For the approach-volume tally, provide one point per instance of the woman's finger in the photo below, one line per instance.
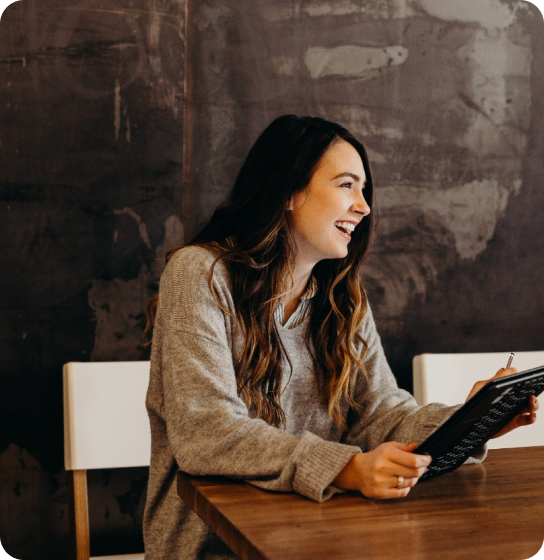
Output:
(389, 493)
(503, 372)
(406, 472)
(400, 482)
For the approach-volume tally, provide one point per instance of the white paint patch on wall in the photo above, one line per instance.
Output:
(141, 224)
(352, 61)
(173, 237)
(117, 109)
(366, 121)
(390, 10)
(470, 211)
(338, 8)
(375, 9)
(490, 14)
(117, 104)
(154, 42)
(497, 63)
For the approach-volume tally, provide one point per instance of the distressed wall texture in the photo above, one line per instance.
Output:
(445, 96)
(122, 125)
(91, 166)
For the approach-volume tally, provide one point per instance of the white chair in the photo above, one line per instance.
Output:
(448, 378)
(105, 426)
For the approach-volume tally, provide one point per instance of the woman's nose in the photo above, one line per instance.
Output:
(361, 206)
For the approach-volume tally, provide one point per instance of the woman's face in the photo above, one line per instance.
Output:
(326, 212)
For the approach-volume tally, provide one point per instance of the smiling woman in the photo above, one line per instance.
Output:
(332, 203)
(324, 215)
(266, 364)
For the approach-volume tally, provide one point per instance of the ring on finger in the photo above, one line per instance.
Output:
(400, 482)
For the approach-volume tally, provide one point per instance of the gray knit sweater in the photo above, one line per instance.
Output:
(200, 425)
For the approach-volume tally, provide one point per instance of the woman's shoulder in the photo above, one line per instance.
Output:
(193, 264)
(185, 294)
(193, 258)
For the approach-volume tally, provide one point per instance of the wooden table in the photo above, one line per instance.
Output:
(492, 511)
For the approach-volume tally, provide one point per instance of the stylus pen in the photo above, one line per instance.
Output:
(510, 360)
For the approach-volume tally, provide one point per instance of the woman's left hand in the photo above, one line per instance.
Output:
(524, 418)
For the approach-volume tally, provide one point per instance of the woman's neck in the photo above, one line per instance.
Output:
(292, 296)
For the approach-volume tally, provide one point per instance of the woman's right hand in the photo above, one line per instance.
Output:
(376, 473)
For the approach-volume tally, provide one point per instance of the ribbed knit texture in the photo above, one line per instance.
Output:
(200, 425)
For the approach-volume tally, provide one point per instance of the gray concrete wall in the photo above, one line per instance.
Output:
(122, 125)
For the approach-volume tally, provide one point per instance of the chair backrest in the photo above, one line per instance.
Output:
(105, 426)
(105, 419)
(448, 378)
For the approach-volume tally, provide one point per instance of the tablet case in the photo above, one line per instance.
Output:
(479, 419)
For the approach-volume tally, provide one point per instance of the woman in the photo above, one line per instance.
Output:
(266, 363)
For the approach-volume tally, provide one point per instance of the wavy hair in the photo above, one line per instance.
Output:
(251, 233)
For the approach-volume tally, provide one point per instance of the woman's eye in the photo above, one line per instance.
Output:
(347, 185)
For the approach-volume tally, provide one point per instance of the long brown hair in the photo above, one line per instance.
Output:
(251, 234)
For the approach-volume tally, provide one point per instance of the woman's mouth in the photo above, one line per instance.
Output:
(345, 228)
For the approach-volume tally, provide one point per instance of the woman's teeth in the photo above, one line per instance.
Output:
(345, 227)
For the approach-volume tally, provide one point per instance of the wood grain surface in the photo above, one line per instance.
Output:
(490, 511)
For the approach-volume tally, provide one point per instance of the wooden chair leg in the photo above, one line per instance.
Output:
(81, 545)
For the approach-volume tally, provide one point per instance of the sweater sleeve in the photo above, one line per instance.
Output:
(388, 412)
(209, 427)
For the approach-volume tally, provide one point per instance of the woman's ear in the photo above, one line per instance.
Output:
(296, 200)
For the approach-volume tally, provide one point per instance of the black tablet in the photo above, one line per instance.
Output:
(479, 419)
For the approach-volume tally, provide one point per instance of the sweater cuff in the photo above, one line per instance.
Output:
(478, 456)
(315, 474)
